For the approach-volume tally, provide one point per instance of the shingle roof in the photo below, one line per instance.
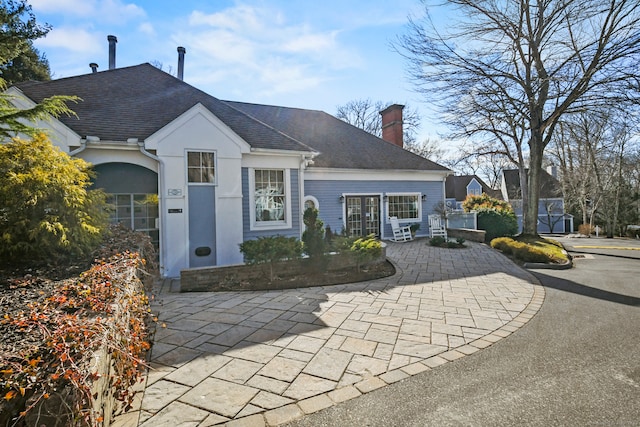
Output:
(456, 187)
(340, 144)
(549, 186)
(135, 102)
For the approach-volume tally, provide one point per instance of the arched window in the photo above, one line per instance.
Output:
(311, 202)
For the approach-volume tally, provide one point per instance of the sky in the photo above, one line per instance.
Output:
(312, 54)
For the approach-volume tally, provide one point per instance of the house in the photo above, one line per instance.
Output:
(551, 214)
(202, 175)
(458, 187)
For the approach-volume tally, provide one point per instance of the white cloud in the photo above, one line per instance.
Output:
(75, 7)
(147, 28)
(258, 46)
(72, 39)
(107, 11)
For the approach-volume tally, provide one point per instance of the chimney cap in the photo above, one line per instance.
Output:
(182, 49)
(112, 38)
(392, 107)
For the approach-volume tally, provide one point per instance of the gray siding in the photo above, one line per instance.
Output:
(125, 178)
(331, 208)
(295, 201)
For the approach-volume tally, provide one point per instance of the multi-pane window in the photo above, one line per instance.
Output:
(404, 206)
(135, 211)
(269, 195)
(201, 167)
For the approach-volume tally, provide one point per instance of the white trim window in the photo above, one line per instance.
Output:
(270, 201)
(201, 167)
(407, 207)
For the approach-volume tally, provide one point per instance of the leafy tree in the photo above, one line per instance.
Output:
(18, 28)
(46, 209)
(29, 65)
(507, 71)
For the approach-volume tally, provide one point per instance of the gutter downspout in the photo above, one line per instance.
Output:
(303, 166)
(304, 163)
(160, 200)
(83, 146)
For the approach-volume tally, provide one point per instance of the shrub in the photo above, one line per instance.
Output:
(495, 216)
(437, 241)
(46, 210)
(366, 249)
(521, 250)
(483, 201)
(50, 339)
(269, 250)
(503, 244)
(497, 223)
(528, 253)
(460, 241)
(313, 236)
(586, 229)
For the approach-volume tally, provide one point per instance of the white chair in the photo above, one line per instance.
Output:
(400, 233)
(436, 227)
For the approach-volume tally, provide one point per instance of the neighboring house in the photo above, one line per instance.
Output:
(201, 175)
(551, 215)
(457, 188)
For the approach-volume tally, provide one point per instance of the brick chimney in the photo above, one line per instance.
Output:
(392, 124)
(112, 51)
(181, 52)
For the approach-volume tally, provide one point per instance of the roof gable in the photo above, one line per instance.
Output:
(456, 187)
(549, 186)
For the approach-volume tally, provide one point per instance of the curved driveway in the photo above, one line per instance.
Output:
(577, 363)
(270, 357)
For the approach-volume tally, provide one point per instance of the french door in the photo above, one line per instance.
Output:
(363, 215)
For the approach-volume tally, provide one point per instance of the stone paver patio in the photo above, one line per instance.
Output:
(268, 357)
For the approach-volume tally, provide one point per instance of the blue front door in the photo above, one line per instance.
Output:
(202, 226)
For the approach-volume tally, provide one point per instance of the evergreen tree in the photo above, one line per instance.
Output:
(18, 57)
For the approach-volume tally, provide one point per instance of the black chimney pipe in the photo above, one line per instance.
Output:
(94, 67)
(181, 52)
(112, 51)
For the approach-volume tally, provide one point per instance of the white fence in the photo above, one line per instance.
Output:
(462, 220)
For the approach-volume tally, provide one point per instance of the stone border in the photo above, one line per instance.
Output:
(240, 277)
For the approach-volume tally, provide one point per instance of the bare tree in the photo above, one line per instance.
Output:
(510, 70)
(595, 154)
(365, 114)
